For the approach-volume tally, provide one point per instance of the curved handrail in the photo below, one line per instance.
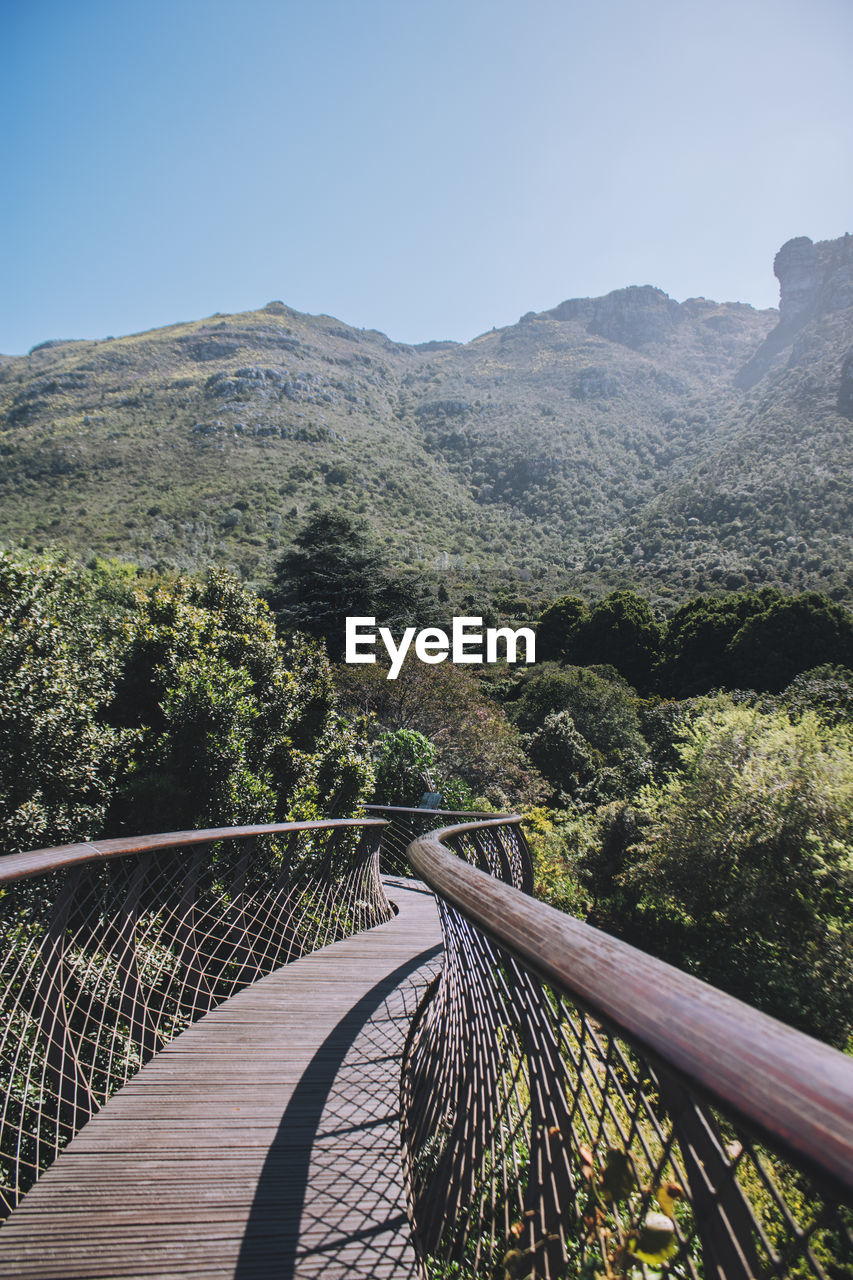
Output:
(795, 1090)
(34, 862)
(110, 949)
(470, 814)
(404, 824)
(567, 1098)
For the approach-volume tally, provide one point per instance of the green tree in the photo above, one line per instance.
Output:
(558, 629)
(789, 635)
(58, 666)
(827, 690)
(603, 709)
(336, 570)
(565, 758)
(752, 640)
(744, 868)
(695, 648)
(404, 768)
(621, 631)
(234, 724)
(477, 745)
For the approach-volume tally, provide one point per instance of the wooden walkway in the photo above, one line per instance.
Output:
(263, 1142)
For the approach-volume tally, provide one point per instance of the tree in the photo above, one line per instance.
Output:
(826, 690)
(58, 666)
(752, 640)
(791, 634)
(565, 758)
(404, 768)
(694, 654)
(558, 629)
(233, 724)
(743, 870)
(621, 631)
(336, 570)
(476, 743)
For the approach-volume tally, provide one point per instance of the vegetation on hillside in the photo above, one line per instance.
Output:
(688, 778)
(128, 705)
(613, 443)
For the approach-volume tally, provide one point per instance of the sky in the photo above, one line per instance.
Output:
(430, 168)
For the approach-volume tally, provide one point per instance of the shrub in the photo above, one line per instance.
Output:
(743, 869)
(58, 666)
(404, 767)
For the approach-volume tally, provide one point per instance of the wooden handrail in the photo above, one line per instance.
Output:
(35, 862)
(469, 814)
(107, 961)
(793, 1090)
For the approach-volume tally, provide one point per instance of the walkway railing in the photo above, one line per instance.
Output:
(573, 1107)
(109, 950)
(405, 825)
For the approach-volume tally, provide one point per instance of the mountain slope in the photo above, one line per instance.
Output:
(629, 437)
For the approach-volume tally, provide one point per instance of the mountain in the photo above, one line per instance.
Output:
(623, 439)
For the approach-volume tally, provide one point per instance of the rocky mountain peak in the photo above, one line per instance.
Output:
(815, 285)
(632, 316)
(813, 278)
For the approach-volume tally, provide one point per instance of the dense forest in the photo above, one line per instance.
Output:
(687, 778)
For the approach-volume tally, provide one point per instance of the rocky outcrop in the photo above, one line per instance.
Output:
(631, 317)
(796, 268)
(635, 316)
(815, 282)
(813, 278)
(595, 384)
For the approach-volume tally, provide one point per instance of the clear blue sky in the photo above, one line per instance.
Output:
(426, 167)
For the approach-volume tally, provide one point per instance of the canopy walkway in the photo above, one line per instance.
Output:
(245, 1052)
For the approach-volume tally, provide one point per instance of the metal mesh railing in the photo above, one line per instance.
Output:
(109, 950)
(572, 1107)
(406, 825)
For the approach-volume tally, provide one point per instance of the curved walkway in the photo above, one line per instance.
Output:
(262, 1142)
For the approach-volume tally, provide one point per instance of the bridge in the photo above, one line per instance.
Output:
(362, 1048)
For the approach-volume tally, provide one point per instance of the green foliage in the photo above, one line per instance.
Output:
(171, 706)
(334, 571)
(826, 690)
(558, 843)
(621, 631)
(478, 747)
(404, 768)
(565, 758)
(773, 645)
(58, 759)
(742, 868)
(615, 829)
(695, 646)
(752, 641)
(457, 794)
(236, 725)
(558, 629)
(607, 755)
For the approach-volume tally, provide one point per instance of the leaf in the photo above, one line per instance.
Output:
(617, 1179)
(655, 1240)
(667, 1194)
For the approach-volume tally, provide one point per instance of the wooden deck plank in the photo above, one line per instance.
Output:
(262, 1142)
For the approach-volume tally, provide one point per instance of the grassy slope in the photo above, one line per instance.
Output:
(604, 441)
